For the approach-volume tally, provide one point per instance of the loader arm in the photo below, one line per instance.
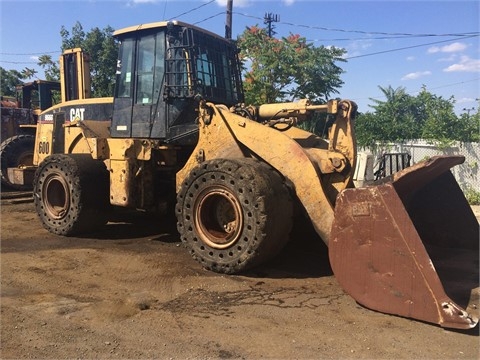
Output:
(318, 170)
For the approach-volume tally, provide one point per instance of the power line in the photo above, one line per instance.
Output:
(417, 91)
(18, 62)
(164, 9)
(453, 84)
(191, 10)
(30, 54)
(387, 35)
(55, 52)
(396, 35)
(208, 18)
(407, 47)
(465, 35)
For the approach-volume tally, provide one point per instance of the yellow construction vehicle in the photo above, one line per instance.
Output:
(19, 119)
(176, 132)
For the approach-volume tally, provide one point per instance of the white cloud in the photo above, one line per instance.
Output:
(450, 58)
(455, 47)
(236, 3)
(357, 47)
(465, 100)
(133, 3)
(466, 64)
(246, 3)
(410, 58)
(416, 75)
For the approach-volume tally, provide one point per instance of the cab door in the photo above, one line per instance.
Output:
(139, 109)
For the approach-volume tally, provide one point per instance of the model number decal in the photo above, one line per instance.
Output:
(43, 147)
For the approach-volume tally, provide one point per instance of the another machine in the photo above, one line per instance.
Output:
(19, 122)
(176, 134)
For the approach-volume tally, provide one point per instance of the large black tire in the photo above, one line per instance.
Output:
(233, 214)
(14, 152)
(71, 194)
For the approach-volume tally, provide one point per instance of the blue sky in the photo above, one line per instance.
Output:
(389, 43)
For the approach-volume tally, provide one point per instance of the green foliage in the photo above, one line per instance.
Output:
(470, 128)
(425, 116)
(9, 79)
(317, 123)
(472, 196)
(441, 123)
(287, 69)
(28, 73)
(102, 49)
(52, 72)
(395, 119)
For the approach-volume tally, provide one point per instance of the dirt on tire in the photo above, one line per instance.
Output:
(211, 221)
(131, 290)
(71, 193)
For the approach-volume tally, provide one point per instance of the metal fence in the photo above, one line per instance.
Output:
(466, 174)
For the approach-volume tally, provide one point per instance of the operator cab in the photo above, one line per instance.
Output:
(162, 70)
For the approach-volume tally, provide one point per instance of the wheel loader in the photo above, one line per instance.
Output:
(177, 135)
(19, 119)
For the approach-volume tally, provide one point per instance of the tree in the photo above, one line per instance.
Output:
(52, 72)
(404, 117)
(28, 73)
(102, 49)
(441, 123)
(287, 69)
(399, 113)
(470, 131)
(10, 79)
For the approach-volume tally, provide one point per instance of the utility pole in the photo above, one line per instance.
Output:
(228, 25)
(269, 19)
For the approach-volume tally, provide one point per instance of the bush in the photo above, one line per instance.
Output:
(472, 195)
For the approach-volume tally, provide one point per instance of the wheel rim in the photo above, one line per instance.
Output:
(218, 217)
(56, 196)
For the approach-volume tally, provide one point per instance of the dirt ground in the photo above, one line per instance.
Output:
(132, 291)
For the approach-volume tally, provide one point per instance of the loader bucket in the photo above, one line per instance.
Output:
(410, 246)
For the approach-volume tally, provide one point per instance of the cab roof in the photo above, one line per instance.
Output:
(162, 24)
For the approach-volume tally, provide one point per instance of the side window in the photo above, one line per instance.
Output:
(227, 77)
(124, 69)
(159, 74)
(179, 67)
(213, 71)
(150, 68)
(205, 70)
(145, 68)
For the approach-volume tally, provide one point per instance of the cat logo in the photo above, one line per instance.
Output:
(76, 114)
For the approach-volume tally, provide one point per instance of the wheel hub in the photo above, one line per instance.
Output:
(56, 196)
(218, 217)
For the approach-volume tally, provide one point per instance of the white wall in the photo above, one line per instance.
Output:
(467, 174)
